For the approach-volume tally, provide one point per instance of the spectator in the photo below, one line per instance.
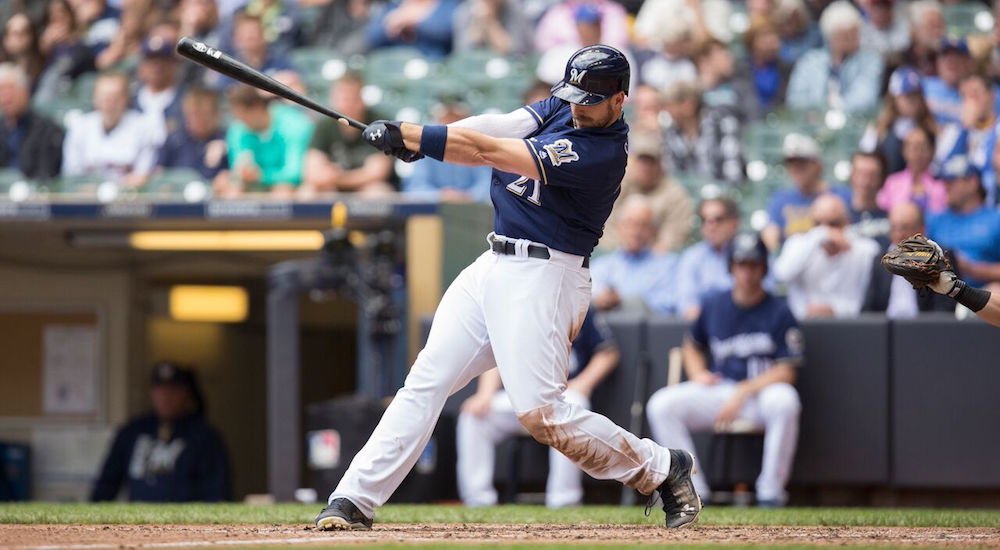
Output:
(704, 267)
(200, 142)
(496, 25)
(699, 140)
(20, 46)
(667, 61)
(423, 24)
(280, 22)
(343, 26)
(867, 177)
(968, 227)
(126, 41)
(954, 63)
(589, 24)
(722, 86)
(100, 24)
(112, 142)
(444, 181)
(172, 453)
(250, 46)
(199, 19)
(799, 34)
(558, 27)
(634, 277)
(671, 204)
(927, 30)
(338, 159)
(768, 72)
(915, 182)
(741, 356)
(890, 293)
(975, 129)
(826, 268)
(902, 109)
(66, 56)
(788, 211)
(487, 418)
(159, 95)
(841, 76)
(647, 111)
(707, 19)
(883, 30)
(29, 142)
(266, 145)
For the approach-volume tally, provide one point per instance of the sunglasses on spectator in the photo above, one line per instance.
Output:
(830, 223)
(713, 219)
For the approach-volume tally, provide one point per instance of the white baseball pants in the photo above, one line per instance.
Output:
(477, 438)
(521, 315)
(675, 411)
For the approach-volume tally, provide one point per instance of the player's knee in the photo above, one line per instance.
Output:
(542, 424)
(780, 400)
(665, 403)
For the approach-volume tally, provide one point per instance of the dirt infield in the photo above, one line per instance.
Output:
(193, 536)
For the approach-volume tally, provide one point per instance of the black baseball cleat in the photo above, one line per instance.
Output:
(342, 514)
(680, 501)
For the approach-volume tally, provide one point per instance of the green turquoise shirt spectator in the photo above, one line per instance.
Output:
(278, 151)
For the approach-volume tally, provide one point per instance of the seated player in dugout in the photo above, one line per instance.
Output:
(557, 170)
(487, 418)
(170, 454)
(741, 357)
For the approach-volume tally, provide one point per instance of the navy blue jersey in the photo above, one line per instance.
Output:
(744, 342)
(581, 172)
(594, 336)
(192, 465)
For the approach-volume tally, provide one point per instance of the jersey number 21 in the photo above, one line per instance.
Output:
(520, 185)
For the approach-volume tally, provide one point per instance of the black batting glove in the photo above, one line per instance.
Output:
(385, 136)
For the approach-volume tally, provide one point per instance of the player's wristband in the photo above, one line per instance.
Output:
(970, 296)
(432, 141)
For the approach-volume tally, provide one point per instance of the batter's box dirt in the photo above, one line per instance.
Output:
(78, 537)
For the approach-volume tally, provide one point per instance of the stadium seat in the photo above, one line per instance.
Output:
(967, 18)
(173, 181)
(397, 67)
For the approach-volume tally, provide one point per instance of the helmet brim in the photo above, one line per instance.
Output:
(572, 94)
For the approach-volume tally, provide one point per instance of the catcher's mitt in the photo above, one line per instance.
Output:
(918, 259)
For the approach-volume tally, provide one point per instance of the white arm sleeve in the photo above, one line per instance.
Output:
(515, 124)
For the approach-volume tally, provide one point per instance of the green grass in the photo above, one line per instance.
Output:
(36, 513)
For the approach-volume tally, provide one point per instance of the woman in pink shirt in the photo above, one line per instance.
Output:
(915, 182)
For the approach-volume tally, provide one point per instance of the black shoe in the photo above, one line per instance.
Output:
(342, 514)
(680, 501)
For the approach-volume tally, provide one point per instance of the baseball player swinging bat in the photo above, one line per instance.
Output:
(216, 60)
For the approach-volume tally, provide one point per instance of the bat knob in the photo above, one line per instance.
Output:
(344, 121)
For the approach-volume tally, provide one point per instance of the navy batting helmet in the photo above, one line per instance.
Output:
(747, 247)
(593, 74)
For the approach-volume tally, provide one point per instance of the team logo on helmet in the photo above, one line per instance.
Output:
(576, 75)
(561, 151)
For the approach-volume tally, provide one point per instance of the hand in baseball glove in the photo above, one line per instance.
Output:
(922, 263)
(386, 136)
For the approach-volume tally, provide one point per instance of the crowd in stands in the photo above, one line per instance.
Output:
(908, 89)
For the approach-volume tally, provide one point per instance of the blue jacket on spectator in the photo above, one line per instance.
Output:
(432, 36)
(182, 150)
(945, 102)
(646, 276)
(975, 235)
(859, 79)
(430, 177)
(192, 465)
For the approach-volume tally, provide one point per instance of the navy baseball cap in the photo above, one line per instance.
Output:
(904, 80)
(157, 46)
(593, 74)
(957, 166)
(747, 247)
(958, 45)
(168, 372)
(587, 13)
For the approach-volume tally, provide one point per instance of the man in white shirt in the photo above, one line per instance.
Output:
(827, 268)
(111, 143)
(159, 97)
